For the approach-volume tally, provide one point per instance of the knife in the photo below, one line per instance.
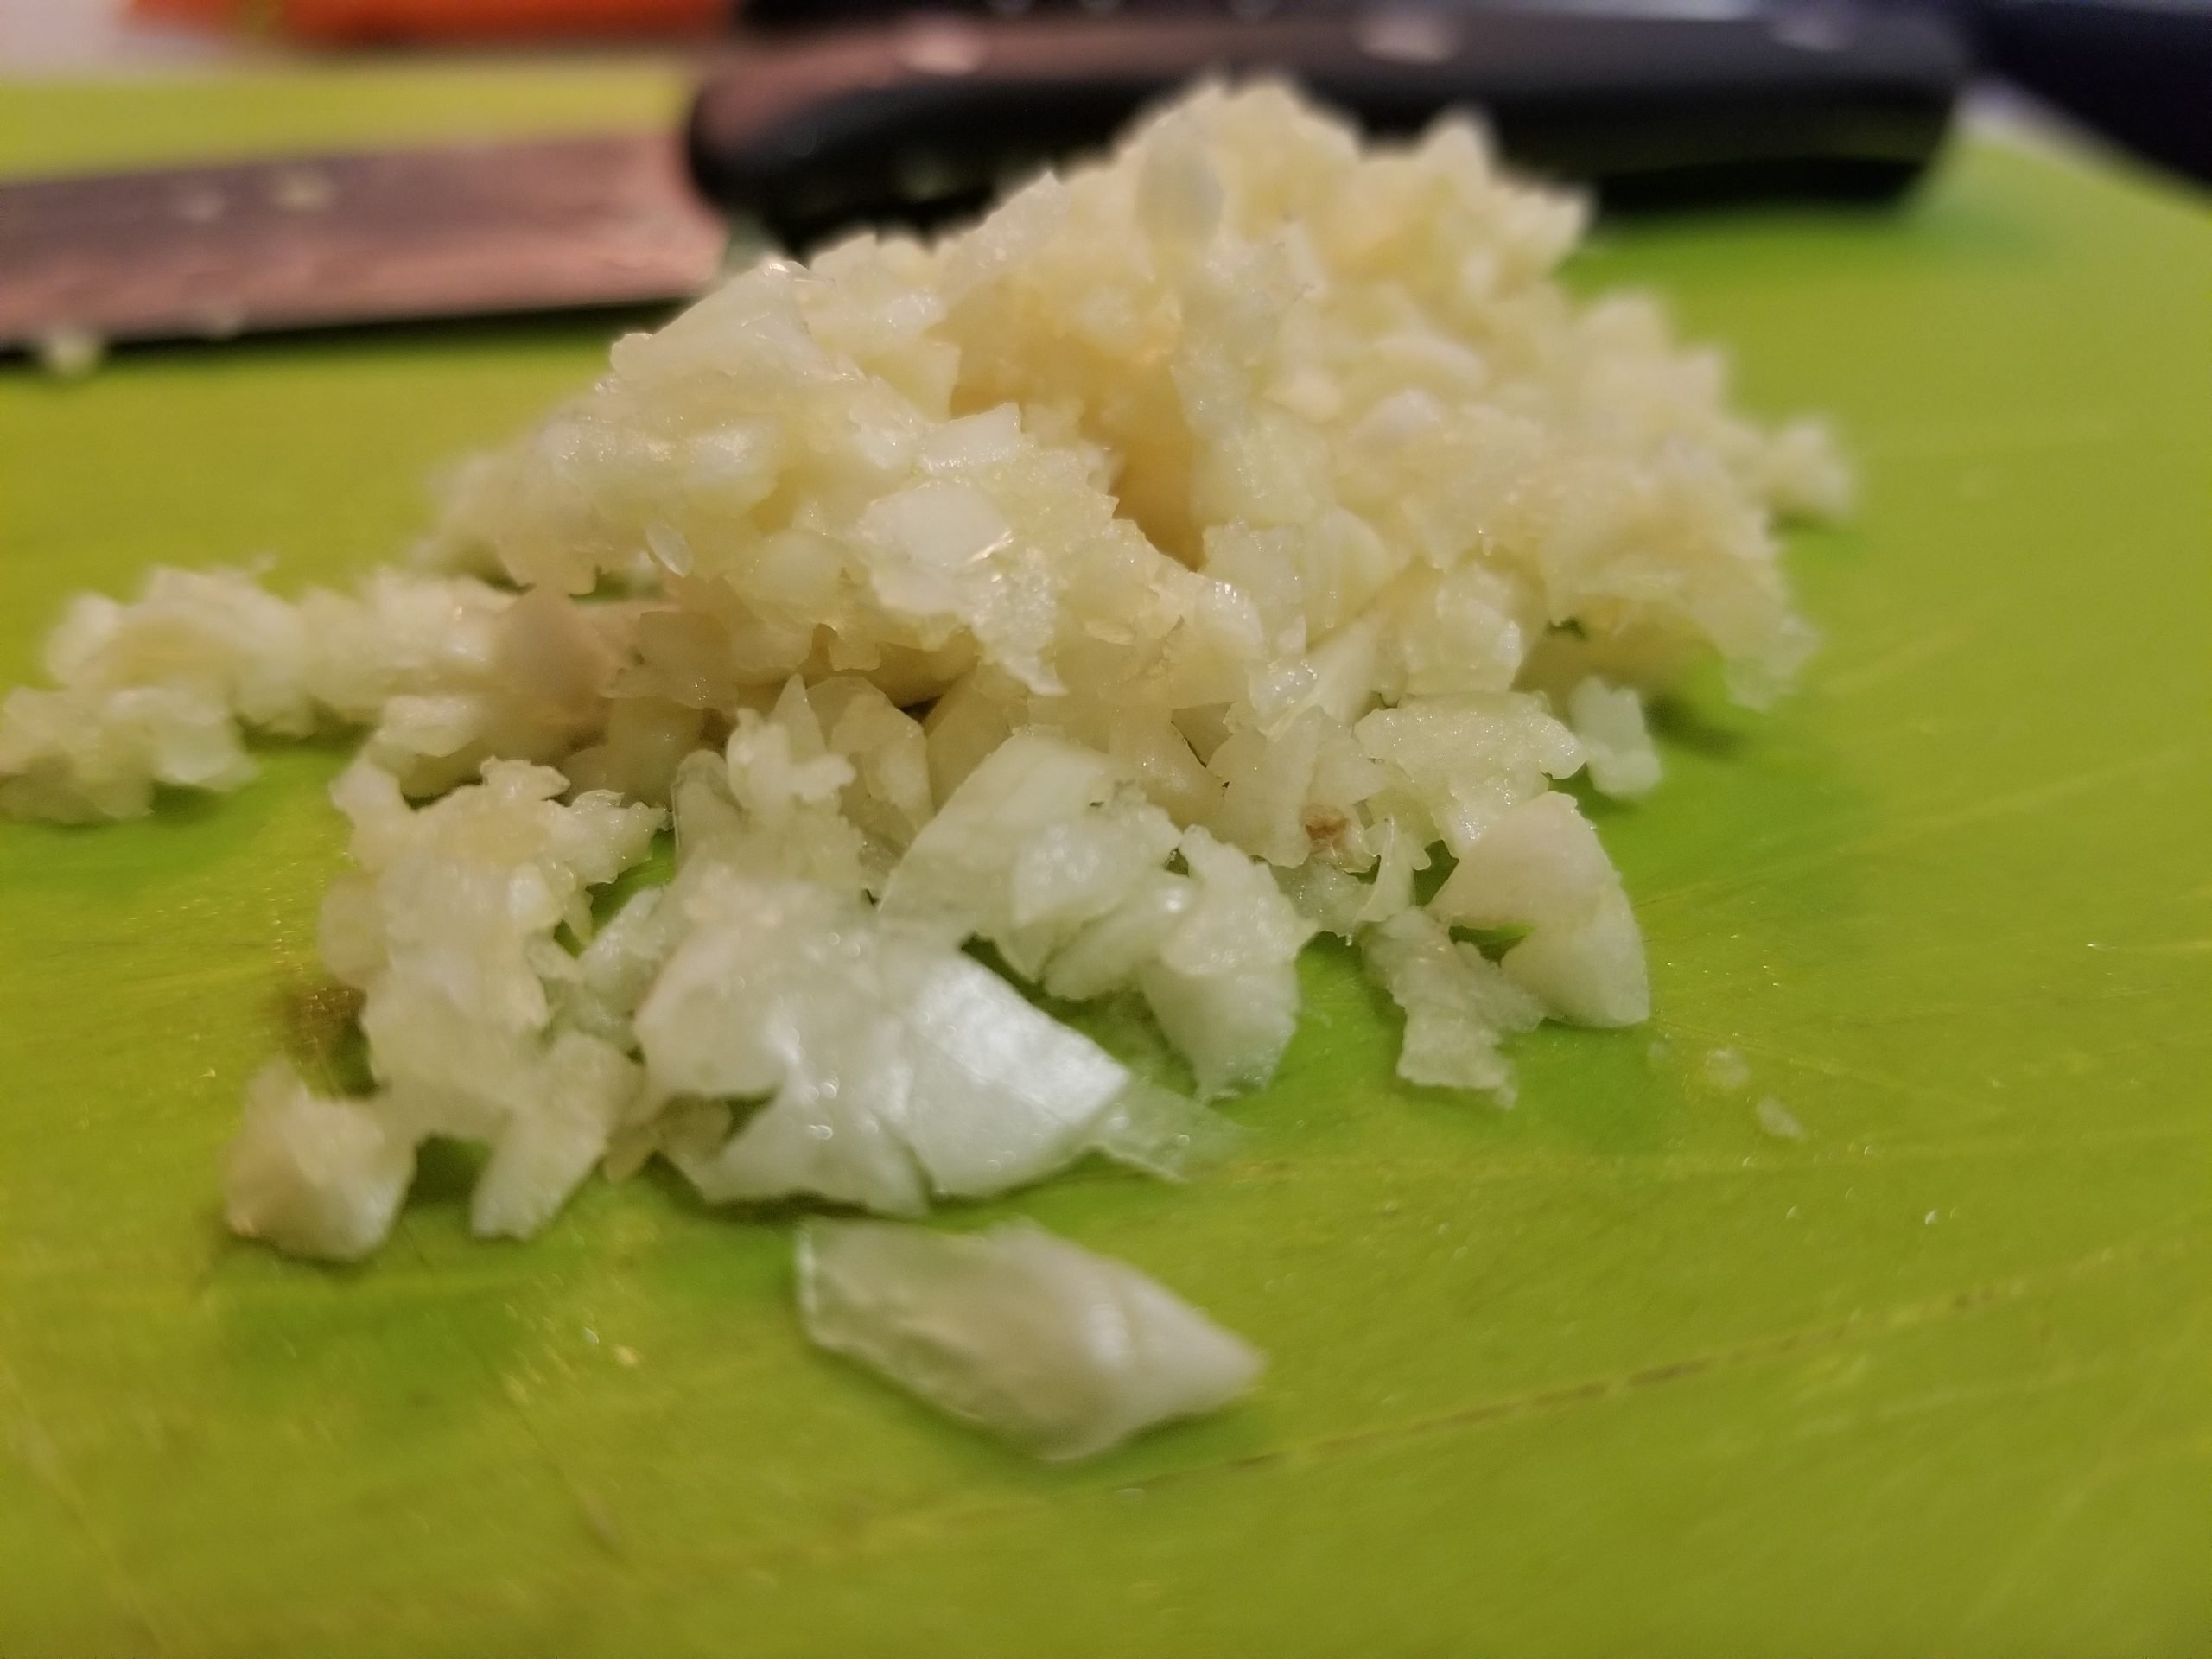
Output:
(915, 119)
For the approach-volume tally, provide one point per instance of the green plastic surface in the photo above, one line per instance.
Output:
(1613, 1373)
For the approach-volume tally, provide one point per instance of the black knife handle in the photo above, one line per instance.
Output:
(2138, 71)
(1691, 101)
(824, 14)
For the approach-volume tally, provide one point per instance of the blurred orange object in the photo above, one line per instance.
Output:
(364, 21)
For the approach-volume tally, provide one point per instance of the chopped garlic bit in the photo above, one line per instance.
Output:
(1175, 564)
(69, 353)
(445, 671)
(1608, 722)
(1778, 1120)
(894, 1066)
(1457, 1004)
(1060, 1352)
(447, 929)
(1049, 852)
(1162, 1133)
(314, 1176)
(1541, 867)
(1726, 1070)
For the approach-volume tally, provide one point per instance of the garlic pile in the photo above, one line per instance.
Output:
(1176, 563)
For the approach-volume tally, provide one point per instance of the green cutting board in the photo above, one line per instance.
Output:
(1615, 1373)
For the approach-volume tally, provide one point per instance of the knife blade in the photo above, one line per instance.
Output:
(304, 242)
(914, 120)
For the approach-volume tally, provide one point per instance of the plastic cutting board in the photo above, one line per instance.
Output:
(1614, 1373)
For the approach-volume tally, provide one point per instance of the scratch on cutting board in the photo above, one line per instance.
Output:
(2164, 948)
(1899, 659)
(48, 1471)
(1988, 437)
(1916, 828)
(1906, 1316)
(2039, 794)
(2155, 1385)
(1731, 1166)
(879, 1532)
(1925, 1401)
(1885, 1082)
(598, 1521)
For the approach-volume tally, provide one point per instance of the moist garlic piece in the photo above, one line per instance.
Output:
(583, 1086)
(152, 692)
(1457, 1004)
(1224, 983)
(448, 930)
(1050, 851)
(1164, 1134)
(1541, 867)
(79, 756)
(445, 671)
(1464, 762)
(1040, 840)
(1608, 722)
(893, 1065)
(1062, 1352)
(315, 1177)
